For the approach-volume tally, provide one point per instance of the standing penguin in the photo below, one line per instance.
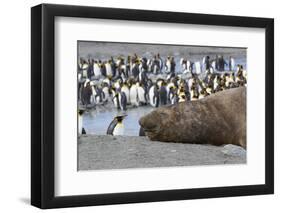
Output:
(115, 98)
(154, 96)
(134, 95)
(122, 100)
(116, 127)
(126, 90)
(86, 93)
(172, 95)
(197, 67)
(141, 94)
(84, 68)
(105, 92)
(109, 70)
(231, 63)
(184, 65)
(81, 130)
(160, 62)
(168, 65)
(163, 94)
(135, 69)
(194, 94)
(97, 69)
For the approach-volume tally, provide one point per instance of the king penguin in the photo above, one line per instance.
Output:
(122, 100)
(154, 95)
(81, 130)
(116, 127)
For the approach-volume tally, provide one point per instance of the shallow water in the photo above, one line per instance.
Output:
(97, 121)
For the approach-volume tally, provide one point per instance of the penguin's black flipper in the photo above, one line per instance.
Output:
(111, 127)
(83, 131)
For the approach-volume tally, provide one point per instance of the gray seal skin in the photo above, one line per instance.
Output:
(216, 119)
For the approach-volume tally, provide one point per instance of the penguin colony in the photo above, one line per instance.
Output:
(136, 81)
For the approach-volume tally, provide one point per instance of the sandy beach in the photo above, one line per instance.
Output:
(101, 152)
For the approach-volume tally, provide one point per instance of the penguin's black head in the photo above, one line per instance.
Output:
(120, 118)
(81, 111)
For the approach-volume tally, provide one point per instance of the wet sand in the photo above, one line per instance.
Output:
(101, 152)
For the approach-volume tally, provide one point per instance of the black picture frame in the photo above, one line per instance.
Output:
(43, 105)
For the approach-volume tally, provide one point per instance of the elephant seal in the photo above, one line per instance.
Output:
(217, 119)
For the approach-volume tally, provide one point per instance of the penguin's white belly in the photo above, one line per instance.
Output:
(184, 68)
(106, 93)
(197, 67)
(140, 76)
(127, 93)
(173, 100)
(192, 98)
(119, 129)
(213, 65)
(106, 80)
(232, 64)
(84, 73)
(181, 97)
(119, 99)
(209, 90)
(97, 71)
(190, 82)
(108, 70)
(141, 94)
(171, 84)
(85, 66)
(93, 97)
(151, 97)
(122, 105)
(154, 69)
(117, 85)
(181, 100)
(215, 85)
(203, 60)
(159, 83)
(79, 76)
(168, 65)
(133, 95)
(115, 101)
(188, 64)
(80, 124)
(201, 96)
(98, 99)
(245, 74)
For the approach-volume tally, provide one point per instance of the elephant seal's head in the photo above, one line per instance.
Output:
(159, 124)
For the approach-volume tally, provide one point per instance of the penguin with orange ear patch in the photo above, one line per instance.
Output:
(116, 127)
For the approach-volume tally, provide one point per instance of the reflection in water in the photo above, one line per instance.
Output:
(97, 121)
